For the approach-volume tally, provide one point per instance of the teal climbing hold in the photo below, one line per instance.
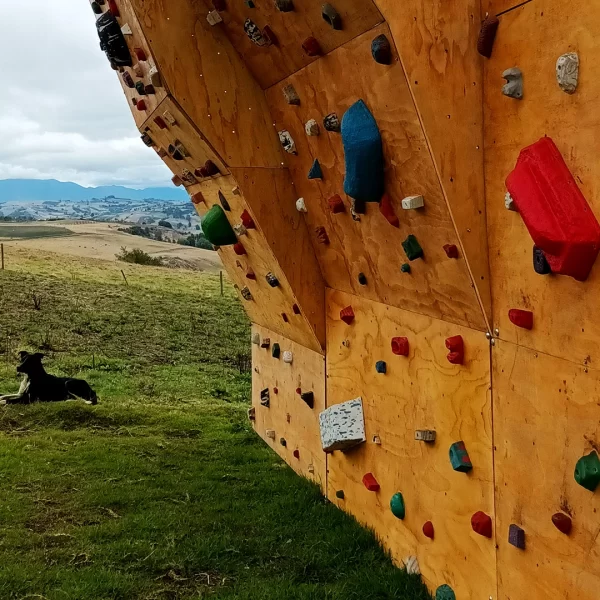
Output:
(363, 152)
(397, 506)
(587, 471)
(275, 351)
(315, 171)
(405, 268)
(217, 229)
(445, 592)
(412, 248)
(459, 458)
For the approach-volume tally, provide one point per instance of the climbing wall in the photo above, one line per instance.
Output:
(375, 175)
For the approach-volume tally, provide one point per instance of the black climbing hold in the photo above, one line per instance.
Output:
(140, 87)
(112, 40)
(381, 49)
(283, 442)
(362, 279)
(412, 248)
(284, 5)
(224, 202)
(275, 351)
(272, 280)
(332, 123)
(540, 264)
(249, 4)
(405, 268)
(96, 8)
(309, 398)
(340, 494)
(315, 171)
(147, 140)
(265, 397)
(332, 16)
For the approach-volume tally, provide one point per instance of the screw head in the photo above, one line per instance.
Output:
(496, 332)
(488, 335)
(493, 342)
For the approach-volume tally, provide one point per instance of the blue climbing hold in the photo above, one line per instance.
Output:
(364, 154)
(315, 171)
(381, 366)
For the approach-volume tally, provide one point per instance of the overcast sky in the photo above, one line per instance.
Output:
(63, 114)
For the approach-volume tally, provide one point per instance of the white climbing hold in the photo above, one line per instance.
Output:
(288, 357)
(509, 203)
(311, 468)
(155, 77)
(413, 202)
(169, 118)
(411, 564)
(342, 426)
(256, 339)
(301, 205)
(126, 29)
(287, 141)
(270, 433)
(567, 72)
(312, 128)
(377, 440)
(214, 18)
(425, 435)
(513, 88)
(240, 229)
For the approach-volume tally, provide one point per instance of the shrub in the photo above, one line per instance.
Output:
(138, 257)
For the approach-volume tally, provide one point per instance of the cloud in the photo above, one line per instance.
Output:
(63, 114)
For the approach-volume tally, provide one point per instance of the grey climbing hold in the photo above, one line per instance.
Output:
(214, 18)
(272, 280)
(254, 33)
(256, 338)
(425, 435)
(246, 293)
(290, 95)
(509, 203)
(265, 397)
(240, 229)
(513, 88)
(332, 123)
(567, 72)
(284, 5)
(413, 202)
(332, 16)
(287, 142)
(312, 128)
(288, 357)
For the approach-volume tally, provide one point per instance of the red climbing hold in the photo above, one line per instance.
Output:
(322, 236)
(140, 105)
(400, 346)
(336, 204)
(347, 315)
(269, 34)
(297, 454)
(113, 8)
(285, 318)
(457, 350)
(247, 220)
(312, 47)
(487, 35)
(275, 390)
(428, 530)
(160, 122)
(370, 482)
(451, 251)
(208, 170)
(177, 180)
(296, 309)
(555, 212)
(220, 5)
(250, 274)
(387, 210)
(482, 524)
(140, 54)
(521, 318)
(239, 249)
(197, 198)
(299, 391)
(562, 522)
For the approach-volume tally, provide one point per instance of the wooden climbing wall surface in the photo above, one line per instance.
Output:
(437, 43)
(270, 64)
(532, 37)
(210, 82)
(421, 391)
(497, 7)
(137, 40)
(438, 286)
(269, 306)
(288, 416)
(546, 416)
(164, 134)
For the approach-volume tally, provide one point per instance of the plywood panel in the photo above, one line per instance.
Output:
(268, 304)
(273, 63)
(137, 39)
(437, 42)
(184, 131)
(438, 286)
(496, 7)
(532, 38)
(421, 391)
(210, 82)
(288, 415)
(546, 416)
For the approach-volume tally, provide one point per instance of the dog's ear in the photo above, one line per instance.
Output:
(23, 355)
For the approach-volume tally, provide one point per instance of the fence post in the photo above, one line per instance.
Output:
(2, 254)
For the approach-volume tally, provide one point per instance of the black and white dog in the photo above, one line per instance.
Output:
(38, 386)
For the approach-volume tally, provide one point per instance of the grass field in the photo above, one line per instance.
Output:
(162, 491)
(32, 232)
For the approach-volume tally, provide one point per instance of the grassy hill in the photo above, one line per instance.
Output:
(162, 491)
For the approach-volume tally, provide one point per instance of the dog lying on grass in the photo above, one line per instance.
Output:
(38, 386)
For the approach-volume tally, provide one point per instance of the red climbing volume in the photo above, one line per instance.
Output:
(554, 210)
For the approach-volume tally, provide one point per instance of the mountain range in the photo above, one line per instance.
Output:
(53, 190)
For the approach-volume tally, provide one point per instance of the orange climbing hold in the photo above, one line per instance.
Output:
(347, 315)
(456, 346)
(370, 482)
(387, 210)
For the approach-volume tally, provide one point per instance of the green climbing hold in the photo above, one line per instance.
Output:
(445, 592)
(412, 248)
(217, 229)
(275, 351)
(587, 471)
(405, 268)
(397, 506)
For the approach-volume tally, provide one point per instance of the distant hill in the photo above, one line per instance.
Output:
(50, 189)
